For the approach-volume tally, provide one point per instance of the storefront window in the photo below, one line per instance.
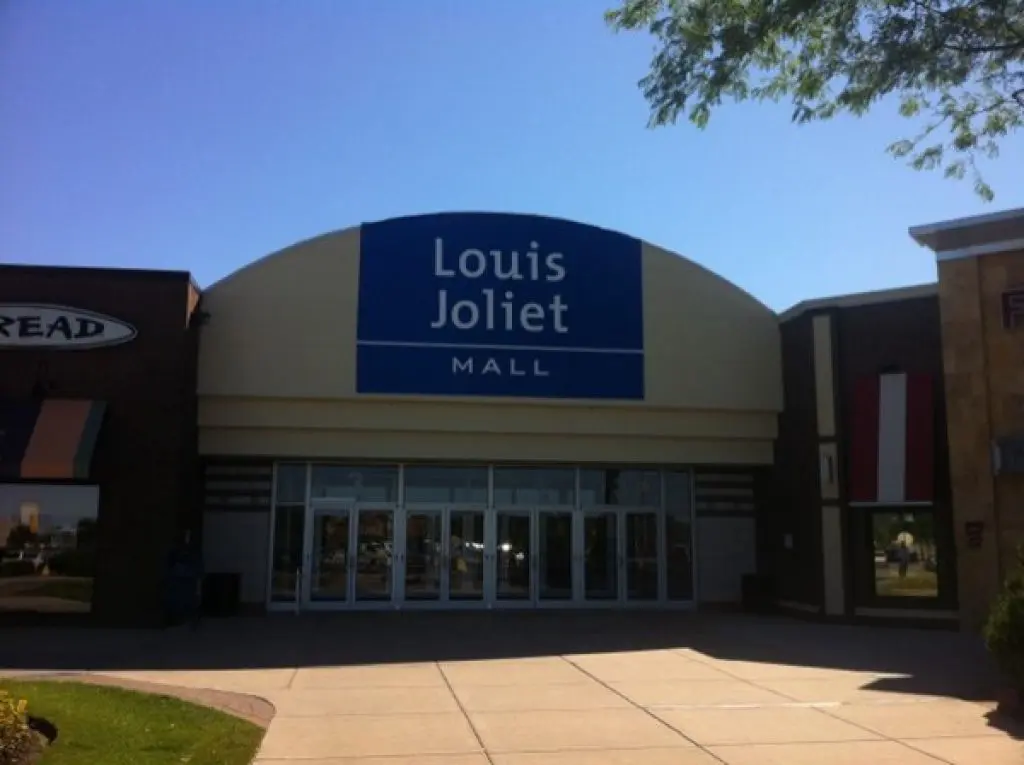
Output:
(627, 488)
(446, 485)
(534, 486)
(905, 560)
(364, 483)
(47, 547)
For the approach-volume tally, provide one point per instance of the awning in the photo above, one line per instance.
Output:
(50, 438)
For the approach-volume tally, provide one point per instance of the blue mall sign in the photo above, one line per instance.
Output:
(489, 304)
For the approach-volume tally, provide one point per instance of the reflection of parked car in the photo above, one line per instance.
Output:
(21, 563)
(374, 554)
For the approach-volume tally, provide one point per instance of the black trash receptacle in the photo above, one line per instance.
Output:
(757, 593)
(221, 593)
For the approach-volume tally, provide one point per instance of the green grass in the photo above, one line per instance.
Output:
(99, 725)
(67, 589)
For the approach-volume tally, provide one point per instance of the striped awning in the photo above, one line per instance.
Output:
(50, 438)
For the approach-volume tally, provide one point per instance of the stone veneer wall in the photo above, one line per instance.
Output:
(984, 372)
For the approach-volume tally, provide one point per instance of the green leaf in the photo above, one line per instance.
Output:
(953, 65)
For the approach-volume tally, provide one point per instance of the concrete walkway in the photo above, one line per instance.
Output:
(574, 689)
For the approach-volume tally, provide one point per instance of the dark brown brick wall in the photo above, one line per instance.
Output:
(795, 508)
(145, 462)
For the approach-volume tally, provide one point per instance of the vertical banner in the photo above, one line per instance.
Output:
(488, 304)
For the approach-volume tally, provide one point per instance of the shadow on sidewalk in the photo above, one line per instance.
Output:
(926, 662)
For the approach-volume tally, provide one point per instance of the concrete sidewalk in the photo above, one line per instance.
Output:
(690, 690)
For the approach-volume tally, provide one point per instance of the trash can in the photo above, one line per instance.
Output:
(222, 593)
(757, 593)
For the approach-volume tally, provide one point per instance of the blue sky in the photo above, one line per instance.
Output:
(202, 135)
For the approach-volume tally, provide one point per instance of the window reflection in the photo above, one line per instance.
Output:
(47, 547)
(291, 483)
(534, 486)
(360, 482)
(628, 488)
(446, 485)
(905, 555)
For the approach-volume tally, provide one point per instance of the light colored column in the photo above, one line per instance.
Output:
(832, 546)
(824, 385)
(832, 555)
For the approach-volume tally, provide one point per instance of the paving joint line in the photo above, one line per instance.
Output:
(465, 714)
(643, 709)
(864, 728)
(291, 680)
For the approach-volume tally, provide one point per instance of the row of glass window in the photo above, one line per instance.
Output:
(469, 485)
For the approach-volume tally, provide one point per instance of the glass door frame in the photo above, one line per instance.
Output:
(580, 581)
(444, 599)
(575, 550)
(338, 507)
(402, 552)
(491, 558)
(489, 511)
(660, 555)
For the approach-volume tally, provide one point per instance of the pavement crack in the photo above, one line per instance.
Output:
(643, 709)
(465, 714)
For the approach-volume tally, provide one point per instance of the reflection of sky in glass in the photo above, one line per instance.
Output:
(633, 488)
(369, 484)
(534, 486)
(454, 485)
(49, 538)
(46, 510)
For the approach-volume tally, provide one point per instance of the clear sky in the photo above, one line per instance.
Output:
(201, 135)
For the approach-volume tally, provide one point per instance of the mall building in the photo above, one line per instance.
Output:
(486, 411)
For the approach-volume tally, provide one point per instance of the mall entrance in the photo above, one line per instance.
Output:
(426, 536)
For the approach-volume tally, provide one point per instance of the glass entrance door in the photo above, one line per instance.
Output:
(514, 562)
(600, 557)
(422, 561)
(465, 555)
(351, 556)
(556, 569)
(641, 556)
(374, 555)
(443, 556)
(330, 559)
(479, 536)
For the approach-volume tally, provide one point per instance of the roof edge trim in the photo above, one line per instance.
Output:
(855, 299)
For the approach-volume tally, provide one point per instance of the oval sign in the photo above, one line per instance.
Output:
(34, 325)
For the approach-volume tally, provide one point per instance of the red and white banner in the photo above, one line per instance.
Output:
(892, 439)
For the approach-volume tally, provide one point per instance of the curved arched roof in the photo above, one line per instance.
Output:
(525, 219)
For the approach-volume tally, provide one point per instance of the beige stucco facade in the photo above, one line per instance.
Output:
(277, 376)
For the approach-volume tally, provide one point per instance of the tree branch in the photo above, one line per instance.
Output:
(971, 49)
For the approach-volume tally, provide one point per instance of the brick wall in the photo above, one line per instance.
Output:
(984, 374)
